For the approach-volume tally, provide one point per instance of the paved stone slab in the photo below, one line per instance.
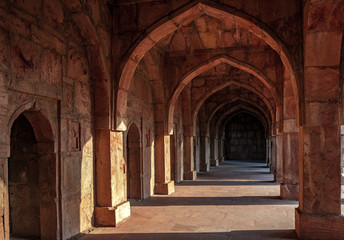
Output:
(237, 200)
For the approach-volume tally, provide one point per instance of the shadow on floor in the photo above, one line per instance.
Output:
(209, 201)
(234, 235)
(227, 183)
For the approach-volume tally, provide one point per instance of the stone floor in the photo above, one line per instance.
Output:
(236, 200)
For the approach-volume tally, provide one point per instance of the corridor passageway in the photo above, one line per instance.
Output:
(237, 200)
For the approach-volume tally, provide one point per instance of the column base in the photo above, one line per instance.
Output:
(289, 191)
(278, 177)
(192, 175)
(214, 162)
(164, 188)
(204, 168)
(111, 216)
(316, 226)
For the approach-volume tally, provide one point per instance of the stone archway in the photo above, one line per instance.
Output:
(32, 178)
(186, 14)
(245, 137)
(134, 166)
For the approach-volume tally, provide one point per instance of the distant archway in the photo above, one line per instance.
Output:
(134, 166)
(32, 178)
(245, 138)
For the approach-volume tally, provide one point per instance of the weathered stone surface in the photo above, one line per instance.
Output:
(51, 68)
(53, 12)
(317, 55)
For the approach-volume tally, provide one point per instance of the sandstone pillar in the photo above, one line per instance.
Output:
(214, 160)
(273, 156)
(221, 150)
(189, 164)
(163, 183)
(279, 158)
(112, 206)
(268, 152)
(289, 187)
(319, 213)
(204, 154)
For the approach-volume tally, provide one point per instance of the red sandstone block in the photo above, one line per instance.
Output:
(323, 48)
(321, 84)
(51, 72)
(4, 52)
(13, 24)
(324, 16)
(77, 66)
(82, 98)
(47, 40)
(186, 15)
(31, 6)
(53, 12)
(25, 61)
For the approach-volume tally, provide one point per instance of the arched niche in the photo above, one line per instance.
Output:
(32, 178)
(134, 163)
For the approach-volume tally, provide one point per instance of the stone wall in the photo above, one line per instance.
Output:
(44, 67)
(245, 138)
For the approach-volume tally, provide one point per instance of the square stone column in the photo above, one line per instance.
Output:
(112, 206)
(214, 161)
(278, 174)
(189, 164)
(319, 213)
(273, 156)
(163, 183)
(204, 154)
(289, 187)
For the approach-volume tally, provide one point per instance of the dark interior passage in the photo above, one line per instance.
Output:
(134, 156)
(32, 179)
(24, 181)
(245, 138)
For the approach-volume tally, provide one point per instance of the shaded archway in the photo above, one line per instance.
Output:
(222, 86)
(245, 138)
(134, 166)
(32, 178)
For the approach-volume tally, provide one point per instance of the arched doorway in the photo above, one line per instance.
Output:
(32, 178)
(245, 138)
(134, 166)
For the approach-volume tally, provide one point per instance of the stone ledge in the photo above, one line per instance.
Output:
(289, 191)
(111, 216)
(319, 226)
(164, 188)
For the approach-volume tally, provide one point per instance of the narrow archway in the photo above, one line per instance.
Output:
(32, 179)
(134, 181)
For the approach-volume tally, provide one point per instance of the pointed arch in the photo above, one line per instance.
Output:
(134, 163)
(184, 15)
(44, 179)
(268, 118)
(218, 88)
(211, 63)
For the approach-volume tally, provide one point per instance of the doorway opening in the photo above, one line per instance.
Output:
(32, 178)
(245, 138)
(134, 180)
